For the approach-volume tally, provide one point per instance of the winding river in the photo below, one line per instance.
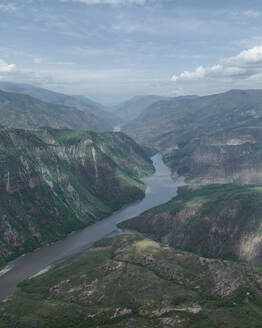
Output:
(160, 188)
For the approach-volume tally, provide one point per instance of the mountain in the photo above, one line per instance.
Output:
(25, 112)
(211, 139)
(85, 104)
(219, 221)
(131, 281)
(55, 181)
(89, 102)
(131, 109)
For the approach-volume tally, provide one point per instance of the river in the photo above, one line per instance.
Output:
(160, 188)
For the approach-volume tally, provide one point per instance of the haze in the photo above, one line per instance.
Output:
(111, 50)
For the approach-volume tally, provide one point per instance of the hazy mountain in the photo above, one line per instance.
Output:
(89, 102)
(82, 103)
(22, 111)
(57, 181)
(208, 139)
(131, 281)
(131, 109)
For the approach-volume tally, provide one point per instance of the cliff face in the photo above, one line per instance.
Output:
(232, 155)
(55, 181)
(221, 221)
(130, 281)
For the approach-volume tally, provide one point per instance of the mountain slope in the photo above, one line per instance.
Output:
(132, 282)
(25, 112)
(131, 109)
(210, 139)
(91, 108)
(221, 221)
(55, 181)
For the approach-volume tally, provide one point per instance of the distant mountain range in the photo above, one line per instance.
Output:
(96, 116)
(132, 108)
(209, 139)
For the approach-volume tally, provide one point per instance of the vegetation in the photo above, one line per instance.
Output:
(219, 221)
(130, 281)
(132, 108)
(98, 115)
(211, 139)
(24, 112)
(57, 181)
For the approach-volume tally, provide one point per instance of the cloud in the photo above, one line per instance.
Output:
(8, 8)
(37, 60)
(109, 2)
(252, 13)
(6, 68)
(199, 73)
(244, 66)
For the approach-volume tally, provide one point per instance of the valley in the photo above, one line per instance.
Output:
(211, 139)
(141, 230)
(160, 188)
(130, 164)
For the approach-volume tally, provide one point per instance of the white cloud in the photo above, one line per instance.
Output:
(199, 73)
(8, 8)
(246, 65)
(252, 13)
(250, 56)
(109, 2)
(37, 60)
(6, 68)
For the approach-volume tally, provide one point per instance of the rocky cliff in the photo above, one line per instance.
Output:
(219, 221)
(211, 139)
(55, 181)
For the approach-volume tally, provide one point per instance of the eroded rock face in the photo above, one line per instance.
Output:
(222, 221)
(211, 139)
(56, 181)
(131, 281)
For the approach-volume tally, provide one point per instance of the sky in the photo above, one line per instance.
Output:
(111, 50)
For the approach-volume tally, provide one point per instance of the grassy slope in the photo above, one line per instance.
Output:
(130, 281)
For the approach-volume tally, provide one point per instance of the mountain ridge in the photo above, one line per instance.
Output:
(209, 139)
(91, 108)
(26, 112)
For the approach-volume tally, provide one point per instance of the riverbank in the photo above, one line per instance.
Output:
(160, 188)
